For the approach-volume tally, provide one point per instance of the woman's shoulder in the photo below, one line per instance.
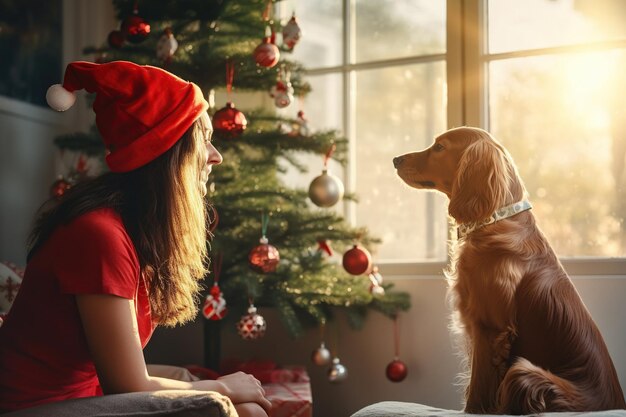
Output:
(99, 226)
(98, 219)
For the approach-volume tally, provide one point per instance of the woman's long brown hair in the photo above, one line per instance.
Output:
(164, 212)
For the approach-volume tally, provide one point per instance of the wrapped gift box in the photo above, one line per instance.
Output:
(289, 399)
(288, 388)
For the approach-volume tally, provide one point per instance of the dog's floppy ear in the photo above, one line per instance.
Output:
(481, 184)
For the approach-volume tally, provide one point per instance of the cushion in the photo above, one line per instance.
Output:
(171, 372)
(175, 403)
(403, 409)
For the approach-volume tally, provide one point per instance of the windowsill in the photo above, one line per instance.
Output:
(588, 267)
(31, 112)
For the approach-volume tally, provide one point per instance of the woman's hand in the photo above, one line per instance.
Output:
(244, 388)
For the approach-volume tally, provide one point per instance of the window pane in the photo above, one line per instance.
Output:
(563, 119)
(515, 25)
(321, 22)
(323, 110)
(399, 110)
(399, 28)
(31, 48)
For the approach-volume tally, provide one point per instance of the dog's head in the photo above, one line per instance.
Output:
(469, 166)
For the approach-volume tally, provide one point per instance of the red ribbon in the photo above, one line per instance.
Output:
(329, 154)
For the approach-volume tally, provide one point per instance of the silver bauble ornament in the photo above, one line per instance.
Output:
(326, 190)
(321, 355)
(337, 371)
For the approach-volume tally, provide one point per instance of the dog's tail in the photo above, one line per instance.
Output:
(528, 389)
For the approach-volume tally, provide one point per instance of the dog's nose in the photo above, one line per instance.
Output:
(397, 161)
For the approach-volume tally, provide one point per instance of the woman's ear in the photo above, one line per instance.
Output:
(481, 184)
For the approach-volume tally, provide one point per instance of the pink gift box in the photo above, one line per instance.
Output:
(290, 399)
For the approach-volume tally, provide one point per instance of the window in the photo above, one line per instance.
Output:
(544, 76)
(30, 48)
(556, 84)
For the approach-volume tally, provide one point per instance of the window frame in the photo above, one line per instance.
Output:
(467, 79)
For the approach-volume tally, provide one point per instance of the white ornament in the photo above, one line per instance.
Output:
(282, 94)
(10, 281)
(291, 32)
(59, 98)
(166, 46)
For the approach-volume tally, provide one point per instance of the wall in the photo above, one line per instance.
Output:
(28, 158)
(426, 347)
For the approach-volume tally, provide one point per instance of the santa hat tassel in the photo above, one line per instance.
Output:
(59, 98)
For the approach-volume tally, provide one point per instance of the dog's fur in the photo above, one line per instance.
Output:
(532, 346)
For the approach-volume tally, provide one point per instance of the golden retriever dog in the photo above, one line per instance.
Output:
(531, 343)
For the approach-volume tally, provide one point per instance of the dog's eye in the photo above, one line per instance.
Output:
(438, 147)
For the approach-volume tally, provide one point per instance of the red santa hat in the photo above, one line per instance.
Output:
(141, 111)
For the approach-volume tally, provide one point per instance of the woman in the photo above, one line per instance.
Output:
(120, 253)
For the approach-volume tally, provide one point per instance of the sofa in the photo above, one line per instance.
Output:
(404, 409)
(170, 403)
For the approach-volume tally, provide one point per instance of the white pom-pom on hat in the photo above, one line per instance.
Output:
(59, 98)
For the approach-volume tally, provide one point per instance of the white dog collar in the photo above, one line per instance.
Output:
(465, 229)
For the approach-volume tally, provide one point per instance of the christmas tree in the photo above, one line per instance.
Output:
(239, 45)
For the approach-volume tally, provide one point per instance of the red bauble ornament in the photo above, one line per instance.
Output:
(228, 122)
(135, 28)
(266, 54)
(116, 39)
(396, 370)
(357, 260)
(215, 304)
(59, 187)
(264, 257)
(251, 326)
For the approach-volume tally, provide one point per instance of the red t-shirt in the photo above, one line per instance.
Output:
(44, 355)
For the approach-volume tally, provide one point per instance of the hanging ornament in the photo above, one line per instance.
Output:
(396, 369)
(116, 39)
(11, 277)
(337, 371)
(215, 304)
(282, 92)
(59, 187)
(264, 258)
(376, 281)
(135, 28)
(266, 54)
(321, 356)
(324, 245)
(301, 126)
(166, 46)
(291, 32)
(326, 189)
(357, 260)
(251, 326)
(228, 122)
